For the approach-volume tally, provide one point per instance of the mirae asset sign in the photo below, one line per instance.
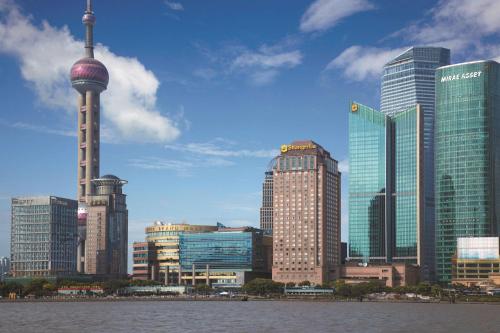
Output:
(469, 75)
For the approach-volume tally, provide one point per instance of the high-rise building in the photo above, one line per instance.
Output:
(306, 222)
(107, 228)
(266, 211)
(89, 77)
(386, 195)
(467, 157)
(4, 267)
(43, 236)
(408, 80)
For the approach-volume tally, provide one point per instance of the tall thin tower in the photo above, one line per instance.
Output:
(89, 77)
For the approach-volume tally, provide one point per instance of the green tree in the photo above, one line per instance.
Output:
(290, 284)
(263, 287)
(203, 289)
(305, 283)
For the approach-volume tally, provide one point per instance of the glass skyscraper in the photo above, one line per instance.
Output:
(385, 185)
(409, 79)
(43, 236)
(467, 157)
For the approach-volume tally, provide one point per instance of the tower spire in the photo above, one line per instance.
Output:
(89, 21)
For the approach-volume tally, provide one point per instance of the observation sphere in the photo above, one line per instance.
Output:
(89, 74)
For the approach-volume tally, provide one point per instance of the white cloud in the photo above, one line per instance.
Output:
(177, 6)
(324, 14)
(181, 167)
(46, 54)
(263, 66)
(38, 128)
(359, 63)
(344, 166)
(214, 148)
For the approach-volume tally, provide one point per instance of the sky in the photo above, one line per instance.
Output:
(203, 93)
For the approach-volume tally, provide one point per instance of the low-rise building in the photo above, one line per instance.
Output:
(145, 265)
(229, 257)
(390, 275)
(477, 261)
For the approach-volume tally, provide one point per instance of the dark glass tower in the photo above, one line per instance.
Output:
(467, 157)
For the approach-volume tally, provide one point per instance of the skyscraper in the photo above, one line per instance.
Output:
(385, 185)
(43, 236)
(89, 77)
(107, 228)
(306, 206)
(408, 80)
(266, 211)
(467, 156)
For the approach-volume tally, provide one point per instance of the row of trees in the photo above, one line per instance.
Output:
(270, 287)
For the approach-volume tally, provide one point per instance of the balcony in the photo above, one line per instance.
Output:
(83, 109)
(83, 145)
(83, 163)
(82, 181)
(83, 127)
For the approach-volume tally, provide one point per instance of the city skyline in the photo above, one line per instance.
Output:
(204, 123)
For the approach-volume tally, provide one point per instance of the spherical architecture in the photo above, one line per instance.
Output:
(89, 74)
(88, 19)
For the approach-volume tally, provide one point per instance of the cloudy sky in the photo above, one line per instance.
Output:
(202, 93)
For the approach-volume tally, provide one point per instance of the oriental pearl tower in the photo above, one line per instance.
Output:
(89, 77)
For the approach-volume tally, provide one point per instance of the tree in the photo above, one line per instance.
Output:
(263, 287)
(305, 283)
(290, 284)
(203, 289)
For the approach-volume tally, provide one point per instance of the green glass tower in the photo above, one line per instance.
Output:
(467, 156)
(385, 185)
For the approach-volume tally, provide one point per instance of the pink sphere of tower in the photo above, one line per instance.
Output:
(89, 74)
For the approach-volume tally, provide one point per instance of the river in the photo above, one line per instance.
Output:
(252, 316)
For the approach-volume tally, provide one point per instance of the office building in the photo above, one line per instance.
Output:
(107, 228)
(390, 275)
(467, 157)
(306, 222)
(43, 237)
(476, 259)
(89, 77)
(227, 258)
(386, 195)
(266, 211)
(145, 263)
(408, 80)
(165, 240)
(4, 267)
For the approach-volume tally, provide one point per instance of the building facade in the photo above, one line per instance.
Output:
(386, 194)
(266, 211)
(467, 154)
(389, 275)
(306, 222)
(107, 228)
(4, 267)
(89, 77)
(43, 237)
(229, 257)
(145, 264)
(476, 260)
(408, 80)
(165, 237)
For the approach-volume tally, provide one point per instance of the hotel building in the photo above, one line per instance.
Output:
(306, 207)
(467, 157)
(408, 80)
(107, 229)
(386, 195)
(43, 237)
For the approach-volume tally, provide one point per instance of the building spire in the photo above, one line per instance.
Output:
(89, 21)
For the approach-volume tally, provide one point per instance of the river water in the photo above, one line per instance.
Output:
(252, 316)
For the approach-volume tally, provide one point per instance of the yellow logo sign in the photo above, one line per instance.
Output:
(285, 148)
(354, 107)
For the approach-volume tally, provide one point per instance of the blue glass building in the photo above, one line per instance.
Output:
(229, 257)
(409, 79)
(385, 185)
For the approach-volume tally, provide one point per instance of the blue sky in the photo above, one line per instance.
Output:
(202, 93)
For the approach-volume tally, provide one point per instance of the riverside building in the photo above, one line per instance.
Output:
(4, 267)
(386, 196)
(43, 237)
(89, 77)
(107, 228)
(408, 80)
(467, 157)
(306, 207)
